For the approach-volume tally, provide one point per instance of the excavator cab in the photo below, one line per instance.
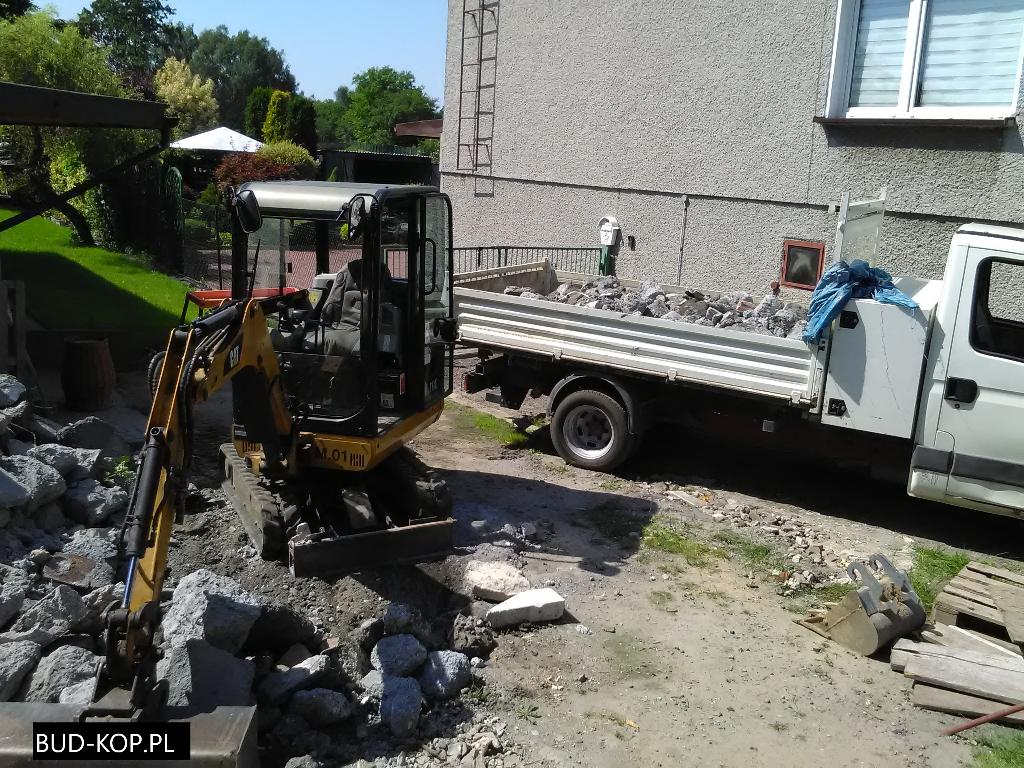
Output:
(365, 363)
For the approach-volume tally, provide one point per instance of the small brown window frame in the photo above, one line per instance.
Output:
(812, 244)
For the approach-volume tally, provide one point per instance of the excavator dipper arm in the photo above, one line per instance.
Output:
(202, 357)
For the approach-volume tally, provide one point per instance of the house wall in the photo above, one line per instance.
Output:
(663, 113)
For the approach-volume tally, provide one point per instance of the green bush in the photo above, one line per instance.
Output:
(289, 153)
(277, 126)
(67, 170)
(196, 232)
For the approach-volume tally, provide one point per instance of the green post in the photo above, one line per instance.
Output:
(607, 264)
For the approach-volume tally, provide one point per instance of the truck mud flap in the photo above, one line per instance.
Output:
(413, 543)
(223, 738)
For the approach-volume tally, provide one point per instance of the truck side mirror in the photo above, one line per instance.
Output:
(247, 209)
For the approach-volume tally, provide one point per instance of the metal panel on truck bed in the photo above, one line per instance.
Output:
(748, 362)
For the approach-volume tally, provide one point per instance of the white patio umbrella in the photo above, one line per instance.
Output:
(219, 140)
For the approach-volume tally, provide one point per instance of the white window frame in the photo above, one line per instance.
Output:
(843, 49)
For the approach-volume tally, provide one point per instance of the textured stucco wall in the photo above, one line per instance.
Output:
(624, 107)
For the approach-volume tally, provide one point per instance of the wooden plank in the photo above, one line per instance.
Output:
(974, 679)
(955, 605)
(1002, 573)
(1005, 644)
(1010, 601)
(956, 703)
(981, 658)
(955, 637)
(950, 589)
(970, 585)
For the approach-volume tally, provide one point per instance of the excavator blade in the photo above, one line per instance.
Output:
(223, 738)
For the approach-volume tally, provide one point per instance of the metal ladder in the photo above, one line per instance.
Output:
(477, 78)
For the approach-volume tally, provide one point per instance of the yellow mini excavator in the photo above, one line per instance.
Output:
(329, 383)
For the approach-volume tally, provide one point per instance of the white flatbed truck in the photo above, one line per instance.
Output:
(933, 396)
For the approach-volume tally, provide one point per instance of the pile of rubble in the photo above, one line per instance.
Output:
(815, 558)
(735, 309)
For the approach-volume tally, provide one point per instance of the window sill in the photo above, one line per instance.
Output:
(997, 123)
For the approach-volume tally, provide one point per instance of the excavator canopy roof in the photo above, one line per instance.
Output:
(316, 200)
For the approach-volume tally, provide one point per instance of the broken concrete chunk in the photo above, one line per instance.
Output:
(93, 432)
(444, 674)
(400, 705)
(534, 606)
(16, 661)
(402, 619)
(296, 654)
(368, 633)
(201, 677)
(466, 637)
(44, 484)
(55, 615)
(77, 462)
(372, 685)
(212, 608)
(66, 666)
(50, 518)
(320, 706)
(14, 585)
(79, 695)
(278, 686)
(398, 655)
(494, 581)
(91, 503)
(11, 390)
(305, 761)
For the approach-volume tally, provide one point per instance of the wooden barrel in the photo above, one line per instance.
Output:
(88, 374)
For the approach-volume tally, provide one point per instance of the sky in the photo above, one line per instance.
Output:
(325, 42)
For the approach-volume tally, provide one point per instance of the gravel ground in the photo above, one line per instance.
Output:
(662, 655)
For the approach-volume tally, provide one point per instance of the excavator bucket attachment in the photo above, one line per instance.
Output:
(878, 612)
(223, 738)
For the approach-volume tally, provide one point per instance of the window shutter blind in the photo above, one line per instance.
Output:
(878, 57)
(971, 53)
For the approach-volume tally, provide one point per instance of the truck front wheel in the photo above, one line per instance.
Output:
(589, 429)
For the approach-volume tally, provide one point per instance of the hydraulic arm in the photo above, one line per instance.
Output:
(230, 343)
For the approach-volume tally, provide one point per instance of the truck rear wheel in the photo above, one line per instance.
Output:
(589, 429)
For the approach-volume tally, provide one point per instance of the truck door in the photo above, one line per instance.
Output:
(982, 405)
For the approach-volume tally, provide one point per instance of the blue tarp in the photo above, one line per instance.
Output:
(842, 282)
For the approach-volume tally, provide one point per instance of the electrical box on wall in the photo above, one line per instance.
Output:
(609, 231)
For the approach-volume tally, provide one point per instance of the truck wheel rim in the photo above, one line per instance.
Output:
(588, 432)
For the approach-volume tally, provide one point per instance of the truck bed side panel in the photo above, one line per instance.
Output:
(752, 363)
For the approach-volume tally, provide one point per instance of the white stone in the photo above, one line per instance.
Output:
(535, 605)
(494, 581)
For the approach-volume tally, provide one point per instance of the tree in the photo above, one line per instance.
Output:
(34, 51)
(10, 9)
(277, 126)
(237, 64)
(240, 167)
(189, 97)
(330, 122)
(383, 96)
(132, 31)
(291, 154)
(256, 107)
(302, 122)
(178, 41)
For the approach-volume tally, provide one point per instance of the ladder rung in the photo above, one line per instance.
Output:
(485, 111)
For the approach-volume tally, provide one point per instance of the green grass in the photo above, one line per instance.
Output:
(998, 747)
(932, 569)
(759, 558)
(526, 711)
(661, 598)
(491, 427)
(73, 287)
(660, 536)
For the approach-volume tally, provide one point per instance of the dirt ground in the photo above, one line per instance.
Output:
(665, 658)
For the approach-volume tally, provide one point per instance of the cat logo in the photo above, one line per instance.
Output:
(234, 355)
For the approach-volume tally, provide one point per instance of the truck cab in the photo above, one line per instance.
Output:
(969, 436)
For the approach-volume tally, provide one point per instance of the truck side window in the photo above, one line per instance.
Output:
(997, 325)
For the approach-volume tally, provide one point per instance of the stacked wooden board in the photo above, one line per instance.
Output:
(969, 661)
